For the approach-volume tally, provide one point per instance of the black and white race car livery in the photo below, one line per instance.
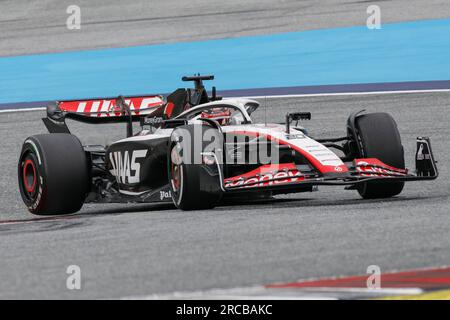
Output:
(194, 150)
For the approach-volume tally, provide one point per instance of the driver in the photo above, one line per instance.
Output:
(221, 114)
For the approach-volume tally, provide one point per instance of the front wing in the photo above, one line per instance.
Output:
(289, 176)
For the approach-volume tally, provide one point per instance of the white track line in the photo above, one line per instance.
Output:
(347, 94)
(381, 291)
(292, 96)
(23, 110)
(263, 293)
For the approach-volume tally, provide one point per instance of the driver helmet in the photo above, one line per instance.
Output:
(221, 114)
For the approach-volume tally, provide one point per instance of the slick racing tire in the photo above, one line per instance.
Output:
(194, 177)
(379, 138)
(53, 174)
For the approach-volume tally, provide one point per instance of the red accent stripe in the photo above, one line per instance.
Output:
(376, 162)
(136, 105)
(169, 109)
(267, 168)
(262, 176)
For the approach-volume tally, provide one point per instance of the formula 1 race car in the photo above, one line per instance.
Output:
(196, 150)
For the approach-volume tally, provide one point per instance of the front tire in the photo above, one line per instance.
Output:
(53, 174)
(194, 181)
(379, 138)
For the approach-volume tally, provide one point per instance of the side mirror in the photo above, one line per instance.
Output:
(296, 116)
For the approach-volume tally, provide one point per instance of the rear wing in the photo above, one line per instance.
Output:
(102, 110)
(108, 108)
(127, 109)
(105, 109)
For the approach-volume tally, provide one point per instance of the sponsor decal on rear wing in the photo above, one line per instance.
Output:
(143, 105)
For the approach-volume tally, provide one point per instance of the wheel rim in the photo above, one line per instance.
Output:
(176, 177)
(29, 177)
(176, 169)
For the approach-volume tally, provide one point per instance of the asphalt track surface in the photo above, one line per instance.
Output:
(28, 27)
(128, 250)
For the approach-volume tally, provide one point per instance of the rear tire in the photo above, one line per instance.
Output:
(53, 174)
(379, 138)
(193, 185)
